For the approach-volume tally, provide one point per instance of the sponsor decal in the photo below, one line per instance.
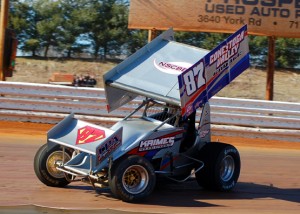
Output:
(175, 68)
(89, 134)
(107, 148)
(156, 143)
(227, 51)
(214, 71)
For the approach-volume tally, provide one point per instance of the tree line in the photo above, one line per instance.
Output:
(99, 28)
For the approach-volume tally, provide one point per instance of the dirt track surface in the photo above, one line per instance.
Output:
(269, 182)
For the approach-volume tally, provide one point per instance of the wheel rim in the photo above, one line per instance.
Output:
(227, 168)
(135, 179)
(52, 161)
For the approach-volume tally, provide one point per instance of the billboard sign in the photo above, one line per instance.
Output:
(264, 17)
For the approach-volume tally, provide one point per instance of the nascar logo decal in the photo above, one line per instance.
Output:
(175, 68)
(89, 134)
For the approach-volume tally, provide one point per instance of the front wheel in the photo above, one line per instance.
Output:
(45, 163)
(221, 167)
(132, 179)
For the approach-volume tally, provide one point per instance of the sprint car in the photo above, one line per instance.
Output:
(167, 136)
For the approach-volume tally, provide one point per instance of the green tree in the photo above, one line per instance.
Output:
(136, 40)
(190, 38)
(23, 20)
(258, 48)
(50, 25)
(287, 52)
(72, 25)
(202, 40)
(19, 13)
(107, 26)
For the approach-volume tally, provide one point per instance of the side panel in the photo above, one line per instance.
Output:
(157, 144)
(214, 71)
(204, 127)
(111, 144)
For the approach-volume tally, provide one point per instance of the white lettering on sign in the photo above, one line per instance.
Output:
(262, 8)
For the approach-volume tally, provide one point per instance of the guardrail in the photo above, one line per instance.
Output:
(230, 117)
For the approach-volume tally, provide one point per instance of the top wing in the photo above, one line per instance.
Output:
(152, 72)
(214, 71)
(176, 73)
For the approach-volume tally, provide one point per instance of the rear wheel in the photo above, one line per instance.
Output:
(222, 167)
(132, 179)
(45, 163)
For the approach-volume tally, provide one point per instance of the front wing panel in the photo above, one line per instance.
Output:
(80, 135)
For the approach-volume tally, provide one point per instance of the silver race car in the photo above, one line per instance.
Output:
(167, 136)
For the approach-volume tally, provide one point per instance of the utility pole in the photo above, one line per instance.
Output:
(3, 26)
(271, 69)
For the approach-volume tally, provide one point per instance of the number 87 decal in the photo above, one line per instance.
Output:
(194, 78)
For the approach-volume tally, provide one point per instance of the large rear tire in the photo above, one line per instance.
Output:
(132, 179)
(45, 162)
(222, 167)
